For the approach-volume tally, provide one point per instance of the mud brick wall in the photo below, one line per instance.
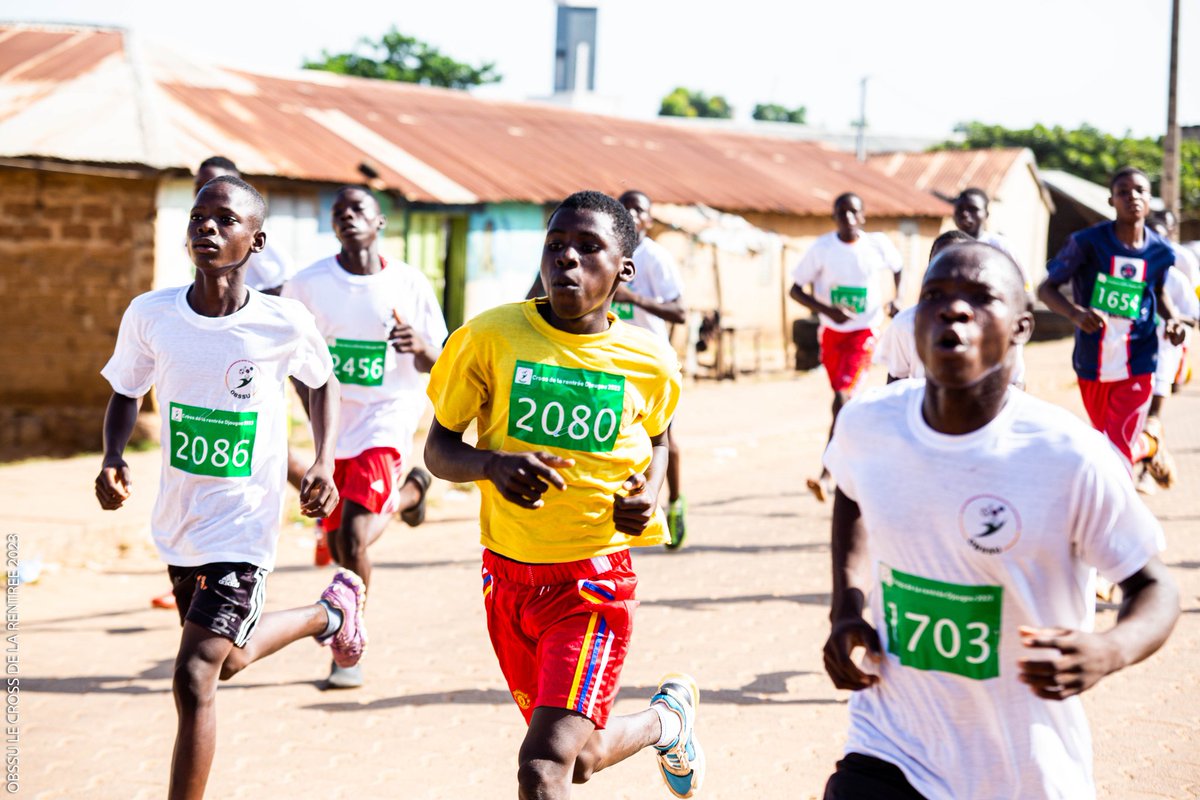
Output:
(74, 250)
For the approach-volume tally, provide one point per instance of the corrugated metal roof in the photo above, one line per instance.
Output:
(431, 145)
(948, 172)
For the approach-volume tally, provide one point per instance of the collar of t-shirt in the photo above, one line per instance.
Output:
(353, 277)
(189, 315)
(539, 324)
(965, 441)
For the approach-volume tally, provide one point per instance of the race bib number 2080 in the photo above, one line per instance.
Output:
(575, 409)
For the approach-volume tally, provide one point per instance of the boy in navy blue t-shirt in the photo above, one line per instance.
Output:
(1117, 272)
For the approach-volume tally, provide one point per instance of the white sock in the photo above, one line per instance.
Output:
(333, 622)
(671, 722)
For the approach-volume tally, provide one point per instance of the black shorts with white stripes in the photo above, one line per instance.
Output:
(224, 597)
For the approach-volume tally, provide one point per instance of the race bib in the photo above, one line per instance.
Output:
(1121, 297)
(575, 409)
(850, 298)
(943, 627)
(623, 311)
(358, 362)
(205, 441)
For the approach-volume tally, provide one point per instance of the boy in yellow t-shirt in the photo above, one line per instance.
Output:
(565, 396)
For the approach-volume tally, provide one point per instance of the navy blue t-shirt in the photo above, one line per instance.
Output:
(1124, 347)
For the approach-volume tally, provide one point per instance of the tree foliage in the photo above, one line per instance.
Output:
(397, 57)
(1091, 154)
(773, 112)
(687, 103)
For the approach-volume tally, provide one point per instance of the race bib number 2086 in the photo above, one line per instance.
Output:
(575, 409)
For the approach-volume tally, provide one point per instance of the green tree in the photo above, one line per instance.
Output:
(773, 112)
(687, 103)
(1091, 154)
(397, 57)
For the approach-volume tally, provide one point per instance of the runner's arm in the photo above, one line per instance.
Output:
(318, 495)
(633, 511)
(1086, 319)
(810, 302)
(1149, 610)
(114, 481)
(670, 310)
(1173, 320)
(851, 585)
(522, 478)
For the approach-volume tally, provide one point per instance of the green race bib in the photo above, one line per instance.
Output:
(850, 298)
(942, 627)
(357, 362)
(1118, 296)
(205, 441)
(623, 311)
(575, 409)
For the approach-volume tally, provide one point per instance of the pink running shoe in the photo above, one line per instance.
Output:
(347, 594)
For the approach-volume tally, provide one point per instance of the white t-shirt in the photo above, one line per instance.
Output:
(896, 349)
(970, 537)
(834, 267)
(1187, 261)
(1183, 294)
(224, 417)
(657, 277)
(1000, 243)
(383, 394)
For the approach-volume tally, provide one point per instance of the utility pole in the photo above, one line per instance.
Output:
(860, 144)
(1170, 174)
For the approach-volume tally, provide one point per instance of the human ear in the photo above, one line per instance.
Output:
(1022, 328)
(627, 271)
(259, 242)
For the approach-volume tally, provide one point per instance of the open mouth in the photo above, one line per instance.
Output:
(204, 247)
(951, 341)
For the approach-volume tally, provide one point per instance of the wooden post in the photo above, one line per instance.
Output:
(783, 304)
(1170, 173)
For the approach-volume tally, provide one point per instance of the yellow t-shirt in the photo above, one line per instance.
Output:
(596, 398)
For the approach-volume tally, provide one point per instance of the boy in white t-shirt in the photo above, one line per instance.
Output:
(384, 329)
(651, 300)
(219, 354)
(969, 516)
(841, 267)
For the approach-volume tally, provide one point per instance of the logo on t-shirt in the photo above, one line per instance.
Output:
(1133, 269)
(524, 376)
(239, 379)
(989, 524)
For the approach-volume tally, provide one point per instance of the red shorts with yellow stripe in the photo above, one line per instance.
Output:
(561, 631)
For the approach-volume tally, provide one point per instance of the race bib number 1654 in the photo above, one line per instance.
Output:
(575, 409)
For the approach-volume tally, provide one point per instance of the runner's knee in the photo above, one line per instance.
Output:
(540, 777)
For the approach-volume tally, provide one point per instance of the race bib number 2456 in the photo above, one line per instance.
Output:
(575, 409)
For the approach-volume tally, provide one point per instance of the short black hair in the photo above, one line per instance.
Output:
(973, 191)
(360, 187)
(259, 204)
(948, 238)
(635, 193)
(219, 162)
(610, 207)
(1013, 284)
(846, 197)
(1125, 172)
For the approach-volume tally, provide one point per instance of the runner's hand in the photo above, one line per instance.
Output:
(113, 485)
(836, 314)
(891, 309)
(1084, 658)
(846, 635)
(633, 511)
(1088, 320)
(1175, 331)
(405, 339)
(522, 478)
(318, 494)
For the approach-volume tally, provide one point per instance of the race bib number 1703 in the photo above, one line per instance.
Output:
(945, 627)
(206, 441)
(575, 409)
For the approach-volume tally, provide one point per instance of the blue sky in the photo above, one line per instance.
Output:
(931, 63)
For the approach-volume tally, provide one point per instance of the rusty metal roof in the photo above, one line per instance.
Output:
(948, 172)
(86, 94)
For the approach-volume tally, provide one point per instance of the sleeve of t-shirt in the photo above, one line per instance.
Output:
(891, 256)
(1070, 258)
(310, 362)
(1114, 531)
(892, 353)
(130, 371)
(809, 268)
(660, 406)
(429, 323)
(837, 458)
(458, 387)
(668, 286)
